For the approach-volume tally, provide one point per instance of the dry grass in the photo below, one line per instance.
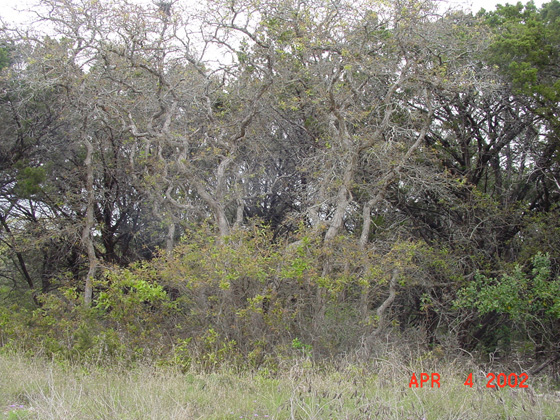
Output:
(37, 389)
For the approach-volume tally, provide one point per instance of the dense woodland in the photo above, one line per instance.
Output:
(235, 181)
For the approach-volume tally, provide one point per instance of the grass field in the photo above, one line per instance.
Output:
(38, 389)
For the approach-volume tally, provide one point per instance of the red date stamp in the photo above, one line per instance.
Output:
(424, 378)
(512, 380)
(495, 380)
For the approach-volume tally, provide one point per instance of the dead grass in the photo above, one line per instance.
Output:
(38, 389)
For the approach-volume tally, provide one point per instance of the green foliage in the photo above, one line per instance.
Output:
(182, 356)
(4, 57)
(306, 349)
(29, 180)
(125, 291)
(530, 300)
(520, 296)
(526, 48)
(215, 350)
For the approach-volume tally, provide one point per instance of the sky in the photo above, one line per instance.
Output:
(476, 5)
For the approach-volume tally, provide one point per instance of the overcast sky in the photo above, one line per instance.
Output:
(476, 5)
(8, 13)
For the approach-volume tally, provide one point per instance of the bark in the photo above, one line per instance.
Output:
(351, 156)
(342, 199)
(239, 212)
(170, 240)
(217, 209)
(539, 368)
(382, 309)
(87, 238)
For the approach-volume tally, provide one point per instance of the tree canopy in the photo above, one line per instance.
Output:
(244, 173)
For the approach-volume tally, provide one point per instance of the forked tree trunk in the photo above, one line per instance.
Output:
(382, 309)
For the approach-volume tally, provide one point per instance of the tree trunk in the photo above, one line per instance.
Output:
(217, 209)
(87, 238)
(170, 240)
(342, 199)
(381, 310)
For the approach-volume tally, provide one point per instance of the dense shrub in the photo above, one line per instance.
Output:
(526, 302)
(247, 301)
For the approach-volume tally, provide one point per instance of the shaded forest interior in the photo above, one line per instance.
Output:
(238, 180)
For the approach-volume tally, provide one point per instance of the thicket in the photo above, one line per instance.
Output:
(250, 303)
(254, 181)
